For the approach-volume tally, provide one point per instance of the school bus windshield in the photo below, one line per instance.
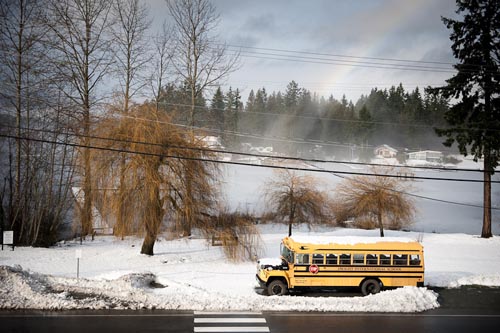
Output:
(286, 253)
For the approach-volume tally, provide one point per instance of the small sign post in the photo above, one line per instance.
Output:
(8, 239)
(78, 256)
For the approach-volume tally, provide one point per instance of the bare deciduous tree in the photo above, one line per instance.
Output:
(39, 176)
(162, 58)
(130, 39)
(379, 199)
(20, 36)
(296, 199)
(81, 41)
(154, 177)
(200, 60)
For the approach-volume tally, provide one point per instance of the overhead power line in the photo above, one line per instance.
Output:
(355, 63)
(341, 55)
(223, 151)
(201, 159)
(328, 58)
(414, 195)
(342, 63)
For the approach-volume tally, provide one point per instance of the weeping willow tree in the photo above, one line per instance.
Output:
(296, 198)
(150, 181)
(375, 201)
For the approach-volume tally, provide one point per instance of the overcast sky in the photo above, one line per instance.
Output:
(361, 30)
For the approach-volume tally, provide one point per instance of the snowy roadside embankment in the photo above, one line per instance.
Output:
(189, 274)
(25, 290)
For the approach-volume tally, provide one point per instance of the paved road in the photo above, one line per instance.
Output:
(462, 310)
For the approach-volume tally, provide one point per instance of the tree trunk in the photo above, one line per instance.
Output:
(490, 116)
(380, 224)
(148, 244)
(486, 232)
(291, 218)
(121, 228)
(153, 218)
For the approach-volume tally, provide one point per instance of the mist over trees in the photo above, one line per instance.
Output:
(394, 116)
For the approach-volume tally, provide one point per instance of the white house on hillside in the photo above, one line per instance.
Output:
(385, 151)
(426, 155)
(212, 142)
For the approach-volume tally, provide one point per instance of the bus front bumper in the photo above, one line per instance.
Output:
(260, 281)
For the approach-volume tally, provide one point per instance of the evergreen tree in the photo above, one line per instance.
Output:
(275, 103)
(474, 120)
(233, 106)
(435, 107)
(413, 114)
(259, 119)
(250, 102)
(261, 100)
(292, 96)
(364, 132)
(217, 107)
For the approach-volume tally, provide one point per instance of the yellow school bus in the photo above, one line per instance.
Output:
(370, 263)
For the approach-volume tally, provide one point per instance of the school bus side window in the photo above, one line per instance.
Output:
(318, 259)
(345, 259)
(401, 259)
(414, 260)
(302, 258)
(385, 259)
(331, 259)
(371, 259)
(359, 259)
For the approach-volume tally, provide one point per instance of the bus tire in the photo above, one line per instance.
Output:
(277, 288)
(370, 286)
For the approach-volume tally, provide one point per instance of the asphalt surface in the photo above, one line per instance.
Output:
(467, 309)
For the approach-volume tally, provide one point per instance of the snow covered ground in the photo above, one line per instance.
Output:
(190, 274)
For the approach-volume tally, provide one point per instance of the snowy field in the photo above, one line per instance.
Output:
(190, 274)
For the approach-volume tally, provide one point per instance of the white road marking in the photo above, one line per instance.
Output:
(231, 329)
(242, 313)
(228, 320)
(214, 322)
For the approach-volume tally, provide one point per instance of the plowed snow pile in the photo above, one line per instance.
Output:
(25, 290)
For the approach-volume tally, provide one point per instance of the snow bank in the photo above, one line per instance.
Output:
(26, 290)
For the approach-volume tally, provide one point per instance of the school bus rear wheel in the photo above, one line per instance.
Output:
(277, 288)
(370, 286)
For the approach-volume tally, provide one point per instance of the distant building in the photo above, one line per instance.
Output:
(385, 151)
(213, 142)
(426, 155)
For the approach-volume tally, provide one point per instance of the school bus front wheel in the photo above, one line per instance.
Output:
(277, 288)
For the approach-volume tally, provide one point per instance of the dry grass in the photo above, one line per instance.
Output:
(237, 233)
